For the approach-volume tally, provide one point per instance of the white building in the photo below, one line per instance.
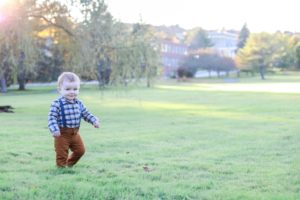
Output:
(225, 43)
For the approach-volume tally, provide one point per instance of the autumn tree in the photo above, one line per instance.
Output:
(23, 21)
(257, 53)
(18, 39)
(285, 55)
(55, 38)
(265, 50)
(93, 45)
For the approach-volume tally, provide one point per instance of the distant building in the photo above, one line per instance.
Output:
(172, 55)
(172, 31)
(224, 42)
(173, 51)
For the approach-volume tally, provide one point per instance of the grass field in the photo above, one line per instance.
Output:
(195, 140)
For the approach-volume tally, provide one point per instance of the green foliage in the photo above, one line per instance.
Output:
(285, 54)
(94, 41)
(265, 50)
(110, 51)
(207, 60)
(6, 67)
(189, 67)
(96, 47)
(243, 36)
(198, 39)
(147, 58)
(298, 55)
(17, 37)
(49, 63)
(21, 34)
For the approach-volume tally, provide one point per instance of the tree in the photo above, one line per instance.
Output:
(265, 50)
(94, 43)
(55, 39)
(285, 46)
(256, 54)
(135, 57)
(298, 55)
(21, 32)
(243, 36)
(6, 68)
(207, 60)
(214, 62)
(188, 67)
(18, 38)
(110, 51)
(146, 55)
(50, 61)
(296, 50)
(198, 39)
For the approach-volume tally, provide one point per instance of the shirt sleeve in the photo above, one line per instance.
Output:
(53, 117)
(86, 115)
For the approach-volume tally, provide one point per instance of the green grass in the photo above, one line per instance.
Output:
(199, 140)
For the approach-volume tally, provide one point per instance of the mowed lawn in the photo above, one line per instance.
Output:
(193, 140)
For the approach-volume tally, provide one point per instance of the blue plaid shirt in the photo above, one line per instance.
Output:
(73, 111)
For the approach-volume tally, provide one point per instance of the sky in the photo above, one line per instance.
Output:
(260, 15)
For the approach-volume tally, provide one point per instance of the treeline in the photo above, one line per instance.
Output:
(255, 52)
(40, 39)
(264, 51)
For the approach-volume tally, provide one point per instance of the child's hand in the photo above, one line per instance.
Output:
(56, 134)
(96, 124)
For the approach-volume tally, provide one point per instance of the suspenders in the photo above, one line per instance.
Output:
(62, 113)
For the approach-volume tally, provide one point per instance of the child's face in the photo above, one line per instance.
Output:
(69, 90)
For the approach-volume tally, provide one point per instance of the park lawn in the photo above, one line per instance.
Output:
(190, 140)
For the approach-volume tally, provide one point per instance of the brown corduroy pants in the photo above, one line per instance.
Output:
(68, 140)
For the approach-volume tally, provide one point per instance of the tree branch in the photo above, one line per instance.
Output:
(53, 24)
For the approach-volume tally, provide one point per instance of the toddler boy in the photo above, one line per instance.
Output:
(64, 120)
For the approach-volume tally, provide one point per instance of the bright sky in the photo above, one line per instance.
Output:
(2, 2)
(260, 15)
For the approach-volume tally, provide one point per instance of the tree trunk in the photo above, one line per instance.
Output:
(148, 82)
(209, 73)
(262, 72)
(100, 79)
(298, 57)
(238, 73)
(3, 84)
(21, 71)
(21, 82)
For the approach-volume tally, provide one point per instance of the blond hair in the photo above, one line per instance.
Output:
(70, 76)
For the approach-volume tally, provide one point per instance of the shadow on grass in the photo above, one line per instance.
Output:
(59, 171)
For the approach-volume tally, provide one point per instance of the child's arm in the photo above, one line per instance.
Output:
(53, 118)
(96, 124)
(88, 117)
